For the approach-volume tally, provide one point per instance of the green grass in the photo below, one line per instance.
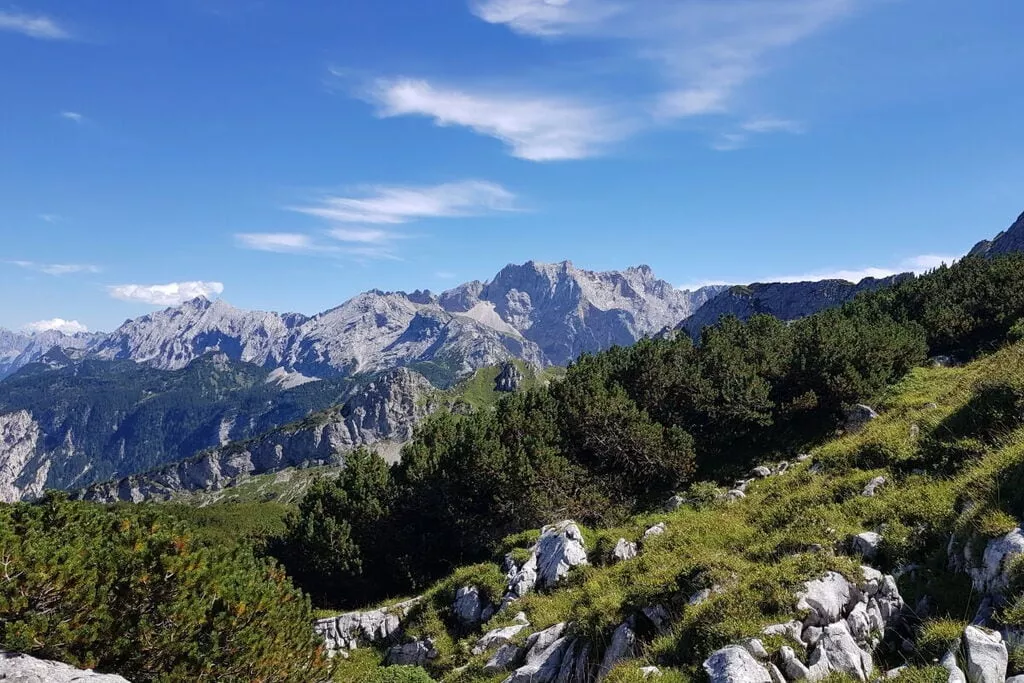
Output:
(477, 391)
(789, 529)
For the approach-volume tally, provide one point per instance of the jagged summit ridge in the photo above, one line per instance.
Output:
(543, 314)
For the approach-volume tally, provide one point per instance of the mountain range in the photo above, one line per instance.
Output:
(196, 395)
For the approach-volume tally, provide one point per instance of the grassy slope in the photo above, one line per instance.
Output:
(761, 549)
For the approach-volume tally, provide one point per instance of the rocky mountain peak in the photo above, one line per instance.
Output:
(1010, 240)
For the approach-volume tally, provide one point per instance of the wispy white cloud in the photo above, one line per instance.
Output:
(49, 217)
(33, 26)
(445, 275)
(534, 127)
(281, 242)
(548, 17)
(737, 139)
(56, 324)
(393, 204)
(703, 52)
(914, 264)
(170, 294)
(769, 125)
(364, 235)
(57, 268)
(73, 116)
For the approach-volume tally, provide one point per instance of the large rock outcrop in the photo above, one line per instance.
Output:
(21, 668)
(559, 549)
(353, 630)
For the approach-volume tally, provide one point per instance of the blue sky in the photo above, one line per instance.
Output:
(287, 155)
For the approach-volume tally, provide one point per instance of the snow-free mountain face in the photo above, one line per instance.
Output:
(19, 349)
(1010, 240)
(567, 311)
(543, 314)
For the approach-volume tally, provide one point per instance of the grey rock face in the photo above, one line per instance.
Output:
(656, 530)
(497, 638)
(733, 664)
(794, 668)
(1010, 240)
(19, 349)
(949, 663)
(827, 599)
(23, 465)
(539, 313)
(504, 659)
(621, 648)
(24, 669)
(838, 652)
(385, 412)
(624, 550)
(559, 549)
(544, 655)
(872, 488)
(858, 417)
(567, 311)
(786, 301)
(509, 379)
(416, 653)
(866, 544)
(992, 576)
(359, 629)
(986, 656)
(468, 606)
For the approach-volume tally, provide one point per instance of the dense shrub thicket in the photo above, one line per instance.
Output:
(131, 592)
(629, 426)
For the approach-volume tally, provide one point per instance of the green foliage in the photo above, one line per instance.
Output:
(131, 591)
(328, 544)
(400, 674)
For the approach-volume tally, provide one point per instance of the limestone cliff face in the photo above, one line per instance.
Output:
(23, 468)
(383, 415)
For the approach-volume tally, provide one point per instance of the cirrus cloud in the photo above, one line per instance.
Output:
(33, 26)
(57, 268)
(534, 127)
(395, 204)
(57, 325)
(170, 294)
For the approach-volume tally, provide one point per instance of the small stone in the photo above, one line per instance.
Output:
(872, 488)
(735, 494)
(656, 530)
(858, 417)
(624, 550)
(761, 472)
(733, 664)
(866, 544)
(650, 672)
(674, 503)
(755, 647)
